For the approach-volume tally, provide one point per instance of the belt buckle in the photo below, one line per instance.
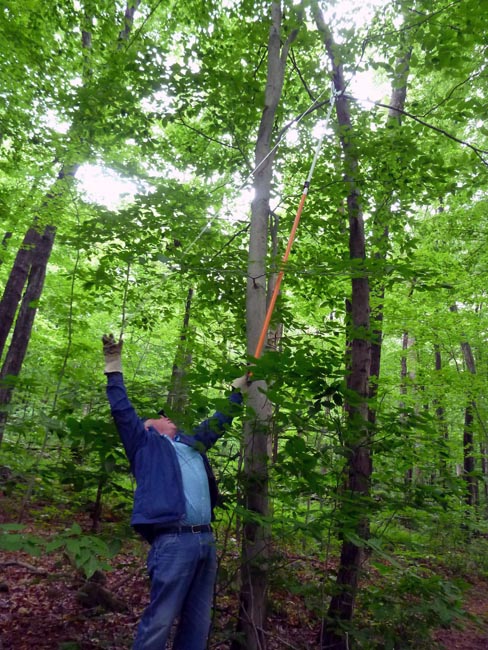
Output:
(196, 528)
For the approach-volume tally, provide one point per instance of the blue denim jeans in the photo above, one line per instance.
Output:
(182, 569)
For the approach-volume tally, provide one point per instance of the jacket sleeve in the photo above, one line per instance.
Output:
(129, 425)
(210, 430)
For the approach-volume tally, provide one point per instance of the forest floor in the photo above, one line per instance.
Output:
(43, 604)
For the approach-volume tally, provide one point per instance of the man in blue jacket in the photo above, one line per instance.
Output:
(173, 507)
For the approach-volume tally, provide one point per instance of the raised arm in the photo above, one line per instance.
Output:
(211, 429)
(129, 425)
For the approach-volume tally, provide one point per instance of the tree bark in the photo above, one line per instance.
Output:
(354, 518)
(441, 418)
(23, 326)
(405, 376)
(381, 235)
(469, 462)
(130, 12)
(484, 469)
(178, 396)
(257, 439)
(15, 284)
(5, 239)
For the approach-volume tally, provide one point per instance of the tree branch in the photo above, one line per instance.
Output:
(453, 90)
(479, 152)
(230, 240)
(299, 73)
(207, 137)
(425, 19)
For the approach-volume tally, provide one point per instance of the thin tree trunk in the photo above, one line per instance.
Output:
(468, 434)
(275, 332)
(405, 376)
(357, 440)
(484, 469)
(178, 396)
(440, 414)
(130, 12)
(257, 439)
(397, 104)
(5, 239)
(469, 463)
(376, 347)
(96, 513)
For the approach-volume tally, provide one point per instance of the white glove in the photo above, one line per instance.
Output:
(242, 383)
(112, 351)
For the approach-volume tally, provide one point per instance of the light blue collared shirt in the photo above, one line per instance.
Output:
(195, 485)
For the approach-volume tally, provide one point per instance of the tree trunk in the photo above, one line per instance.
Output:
(178, 396)
(23, 326)
(441, 418)
(15, 284)
(257, 438)
(405, 375)
(484, 469)
(468, 434)
(5, 239)
(130, 12)
(381, 235)
(96, 513)
(469, 463)
(354, 517)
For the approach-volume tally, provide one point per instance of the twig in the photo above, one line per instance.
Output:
(24, 565)
(300, 76)
(234, 236)
(207, 137)
(281, 640)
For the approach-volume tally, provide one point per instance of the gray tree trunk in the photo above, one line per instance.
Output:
(257, 439)
(178, 394)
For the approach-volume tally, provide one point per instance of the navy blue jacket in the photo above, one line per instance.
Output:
(159, 498)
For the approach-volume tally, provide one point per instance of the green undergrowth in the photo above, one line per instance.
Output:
(414, 578)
